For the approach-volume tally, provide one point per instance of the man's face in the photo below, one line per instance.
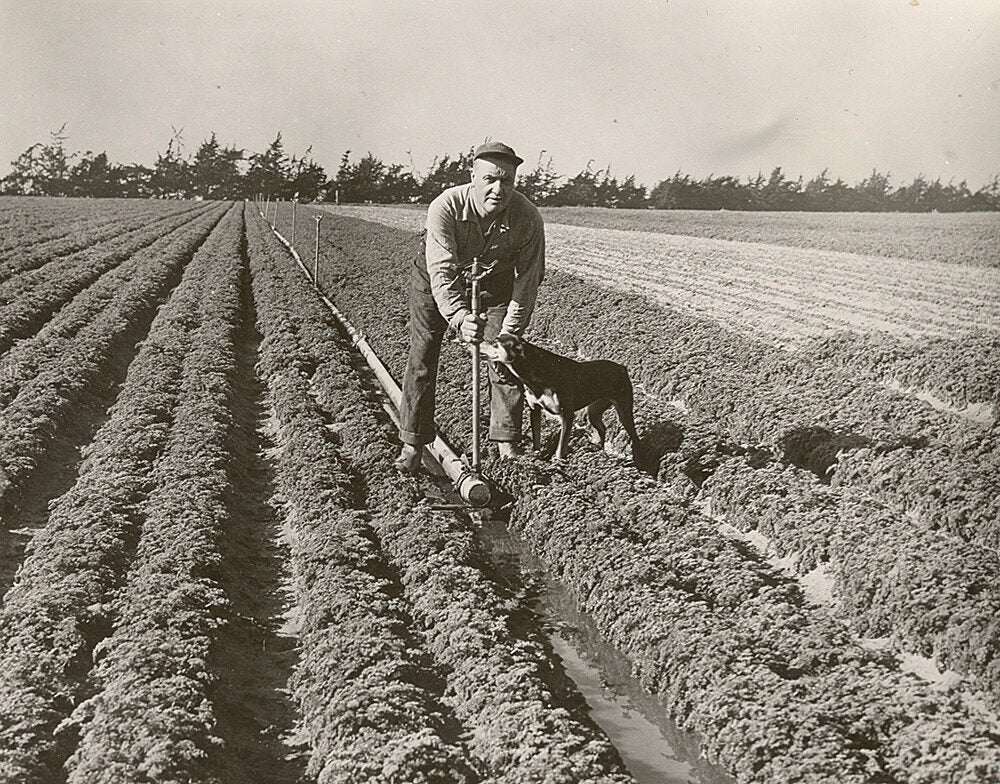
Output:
(492, 184)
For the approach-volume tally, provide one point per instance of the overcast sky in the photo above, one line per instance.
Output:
(702, 86)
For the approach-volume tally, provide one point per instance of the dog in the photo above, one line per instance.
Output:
(561, 386)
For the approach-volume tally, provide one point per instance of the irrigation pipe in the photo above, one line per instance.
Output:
(473, 489)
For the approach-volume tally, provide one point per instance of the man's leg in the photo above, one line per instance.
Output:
(416, 415)
(506, 396)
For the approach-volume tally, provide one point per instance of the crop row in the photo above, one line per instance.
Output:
(27, 221)
(962, 373)
(933, 595)
(870, 409)
(151, 715)
(367, 691)
(500, 680)
(43, 377)
(74, 600)
(959, 370)
(29, 299)
(778, 690)
(912, 475)
(818, 416)
(33, 249)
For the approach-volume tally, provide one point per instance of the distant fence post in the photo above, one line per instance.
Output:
(267, 208)
(291, 239)
(319, 219)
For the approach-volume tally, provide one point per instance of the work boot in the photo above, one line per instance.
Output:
(509, 449)
(408, 461)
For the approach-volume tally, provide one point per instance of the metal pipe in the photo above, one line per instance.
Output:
(476, 305)
(470, 486)
(319, 220)
(468, 483)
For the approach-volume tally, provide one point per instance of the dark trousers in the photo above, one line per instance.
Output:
(427, 329)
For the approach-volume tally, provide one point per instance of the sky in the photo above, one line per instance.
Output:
(648, 88)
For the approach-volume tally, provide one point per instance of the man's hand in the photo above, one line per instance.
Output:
(472, 327)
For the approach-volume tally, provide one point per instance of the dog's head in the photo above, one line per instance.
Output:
(506, 349)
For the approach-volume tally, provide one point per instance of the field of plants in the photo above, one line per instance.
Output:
(212, 573)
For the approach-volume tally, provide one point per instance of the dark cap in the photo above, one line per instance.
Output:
(498, 149)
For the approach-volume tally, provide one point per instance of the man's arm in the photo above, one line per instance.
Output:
(447, 285)
(529, 269)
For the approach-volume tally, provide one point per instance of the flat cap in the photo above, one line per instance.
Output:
(498, 149)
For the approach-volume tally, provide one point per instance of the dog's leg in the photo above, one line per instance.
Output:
(595, 416)
(535, 413)
(566, 427)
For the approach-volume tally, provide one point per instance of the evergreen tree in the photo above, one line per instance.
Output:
(540, 184)
(172, 178)
(308, 178)
(269, 172)
(215, 171)
(94, 176)
(446, 172)
(42, 169)
(579, 191)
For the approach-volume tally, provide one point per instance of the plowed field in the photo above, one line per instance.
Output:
(212, 572)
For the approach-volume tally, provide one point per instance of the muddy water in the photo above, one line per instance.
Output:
(653, 748)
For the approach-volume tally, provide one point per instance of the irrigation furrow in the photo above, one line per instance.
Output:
(257, 651)
(526, 721)
(370, 696)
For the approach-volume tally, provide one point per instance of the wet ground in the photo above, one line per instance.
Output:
(653, 748)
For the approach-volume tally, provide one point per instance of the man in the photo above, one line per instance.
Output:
(487, 219)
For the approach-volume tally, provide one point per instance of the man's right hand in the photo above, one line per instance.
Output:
(472, 327)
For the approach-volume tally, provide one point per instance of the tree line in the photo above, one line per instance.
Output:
(216, 171)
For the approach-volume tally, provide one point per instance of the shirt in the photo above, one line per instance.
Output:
(454, 237)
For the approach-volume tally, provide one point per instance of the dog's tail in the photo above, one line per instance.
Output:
(624, 406)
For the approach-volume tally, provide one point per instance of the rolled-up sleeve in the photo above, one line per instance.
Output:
(529, 269)
(447, 285)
